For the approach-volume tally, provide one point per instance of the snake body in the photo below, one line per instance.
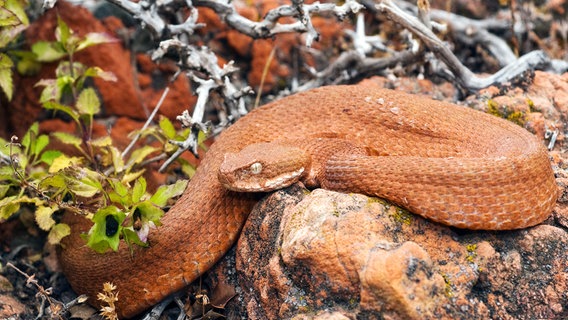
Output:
(447, 163)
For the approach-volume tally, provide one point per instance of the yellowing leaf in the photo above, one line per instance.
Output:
(102, 142)
(88, 102)
(100, 73)
(58, 232)
(9, 206)
(131, 176)
(6, 75)
(63, 162)
(140, 154)
(48, 51)
(68, 138)
(138, 190)
(43, 217)
(117, 161)
(167, 127)
(86, 183)
(94, 38)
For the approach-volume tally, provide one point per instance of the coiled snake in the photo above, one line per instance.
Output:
(450, 164)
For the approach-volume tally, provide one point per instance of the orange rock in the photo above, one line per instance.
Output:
(121, 98)
(352, 256)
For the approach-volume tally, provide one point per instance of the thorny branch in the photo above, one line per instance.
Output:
(200, 64)
(463, 76)
(56, 308)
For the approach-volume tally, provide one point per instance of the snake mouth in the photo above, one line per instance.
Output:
(264, 184)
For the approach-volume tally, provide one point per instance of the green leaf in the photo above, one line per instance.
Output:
(149, 212)
(119, 193)
(6, 84)
(131, 236)
(17, 8)
(95, 38)
(68, 138)
(43, 217)
(41, 142)
(50, 155)
(167, 127)
(51, 92)
(4, 187)
(28, 66)
(58, 232)
(8, 34)
(56, 181)
(187, 168)
(117, 161)
(62, 32)
(64, 70)
(97, 72)
(106, 231)
(7, 17)
(88, 102)
(164, 193)
(46, 51)
(9, 206)
(52, 105)
(138, 190)
(7, 175)
(131, 176)
(12, 13)
(140, 154)
(85, 183)
(30, 137)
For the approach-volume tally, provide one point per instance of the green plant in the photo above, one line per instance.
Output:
(101, 182)
(13, 20)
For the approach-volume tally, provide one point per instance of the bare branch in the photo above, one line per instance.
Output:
(462, 75)
(270, 27)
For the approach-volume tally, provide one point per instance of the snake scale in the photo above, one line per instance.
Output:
(448, 163)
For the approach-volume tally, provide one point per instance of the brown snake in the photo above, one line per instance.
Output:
(450, 164)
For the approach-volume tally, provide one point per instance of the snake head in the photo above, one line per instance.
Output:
(263, 167)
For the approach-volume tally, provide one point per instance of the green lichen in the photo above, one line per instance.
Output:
(448, 287)
(531, 105)
(353, 302)
(471, 252)
(493, 108)
(380, 201)
(517, 117)
(402, 216)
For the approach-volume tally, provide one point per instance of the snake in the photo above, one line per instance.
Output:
(448, 163)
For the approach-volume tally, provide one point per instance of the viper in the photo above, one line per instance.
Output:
(448, 163)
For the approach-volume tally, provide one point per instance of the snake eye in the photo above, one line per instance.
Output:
(256, 168)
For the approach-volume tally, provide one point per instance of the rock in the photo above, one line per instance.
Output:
(123, 98)
(330, 255)
(10, 308)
